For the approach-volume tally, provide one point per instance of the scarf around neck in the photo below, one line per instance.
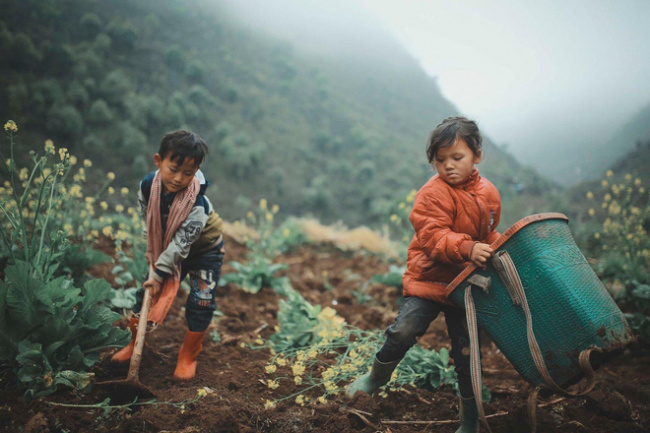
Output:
(157, 241)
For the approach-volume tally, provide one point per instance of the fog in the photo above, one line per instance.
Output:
(550, 79)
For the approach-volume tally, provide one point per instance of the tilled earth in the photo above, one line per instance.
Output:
(235, 377)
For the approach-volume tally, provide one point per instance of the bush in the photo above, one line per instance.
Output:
(58, 59)
(22, 54)
(123, 34)
(174, 58)
(116, 86)
(65, 120)
(100, 113)
(18, 96)
(90, 25)
(77, 94)
(195, 72)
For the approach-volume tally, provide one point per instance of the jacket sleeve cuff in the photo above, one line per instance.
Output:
(159, 275)
(466, 249)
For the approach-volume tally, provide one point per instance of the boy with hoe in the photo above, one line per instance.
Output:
(454, 216)
(184, 237)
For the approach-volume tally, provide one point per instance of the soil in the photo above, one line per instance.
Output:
(233, 373)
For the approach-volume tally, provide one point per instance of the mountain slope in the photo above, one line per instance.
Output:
(337, 133)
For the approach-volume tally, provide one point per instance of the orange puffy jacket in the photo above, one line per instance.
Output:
(448, 221)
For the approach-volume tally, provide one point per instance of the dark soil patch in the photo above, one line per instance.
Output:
(234, 377)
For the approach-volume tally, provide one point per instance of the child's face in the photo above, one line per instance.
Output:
(456, 162)
(175, 177)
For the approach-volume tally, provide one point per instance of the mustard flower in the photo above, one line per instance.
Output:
(609, 173)
(592, 212)
(124, 191)
(270, 369)
(103, 205)
(63, 152)
(111, 190)
(269, 216)
(269, 404)
(300, 399)
(11, 126)
(73, 160)
(88, 163)
(590, 195)
(119, 208)
(49, 147)
(110, 175)
(263, 204)
(275, 208)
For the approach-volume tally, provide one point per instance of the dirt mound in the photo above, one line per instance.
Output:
(231, 374)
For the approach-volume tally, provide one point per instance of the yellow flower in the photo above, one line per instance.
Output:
(275, 208)
(604, 183)
(592, 212)
(270, 369)
(124, 191)
(393, 217)
(609, 173)
(607, 197)
(107, 231)
(73, 160)
(11, 126)
(402, 205)
(297, 380)
(300, 400)
(298, 369)
(110, 175)
(259, 341)
(641, 190)
(250, 215)
(201, 392)
(637, 181)
(23, 174)
(269, 216)
(272, 384)
(286, 233)
(119, 208)
(269, 405)
(49, 147)
(322, 399)
(88, 163)
(590, 195)
(103, 205)
(281, 362)
(111, 190)
(263, 204)
(63, 153)
(628, 177)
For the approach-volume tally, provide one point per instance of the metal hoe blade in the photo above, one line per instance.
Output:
(127, 390)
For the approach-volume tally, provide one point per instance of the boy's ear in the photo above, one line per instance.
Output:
(478, 157)
(157, 160)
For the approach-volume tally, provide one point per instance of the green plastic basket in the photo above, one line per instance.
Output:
(571, 309)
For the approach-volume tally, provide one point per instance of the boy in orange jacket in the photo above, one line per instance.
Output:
(184, 237)
(454, 216)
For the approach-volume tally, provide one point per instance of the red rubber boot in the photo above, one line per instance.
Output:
(186, 365)
(124, 355)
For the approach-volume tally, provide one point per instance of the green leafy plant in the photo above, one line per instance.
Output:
(640, 320)
(391, 278)
(42, 208)
(52, 332)
(259, 270)
(319, 352)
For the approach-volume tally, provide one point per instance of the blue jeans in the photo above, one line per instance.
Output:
(414, 317)
(204, 271)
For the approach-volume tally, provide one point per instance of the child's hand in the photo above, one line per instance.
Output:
(480, 254)
(153, 285)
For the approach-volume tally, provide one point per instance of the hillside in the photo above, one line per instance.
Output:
(336, 134)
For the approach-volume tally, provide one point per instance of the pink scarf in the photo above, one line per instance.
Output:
(181, 207)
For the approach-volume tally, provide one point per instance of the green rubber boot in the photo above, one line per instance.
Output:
(468, 416)
(369, 382)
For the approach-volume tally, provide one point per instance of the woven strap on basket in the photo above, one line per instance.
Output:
(507, 271)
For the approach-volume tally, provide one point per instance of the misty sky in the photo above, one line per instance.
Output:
(532, 72)
(548, 78)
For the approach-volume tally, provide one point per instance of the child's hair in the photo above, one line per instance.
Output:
(183, 144)
(450, 130)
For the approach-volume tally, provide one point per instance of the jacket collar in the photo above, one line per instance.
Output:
(471, 181)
